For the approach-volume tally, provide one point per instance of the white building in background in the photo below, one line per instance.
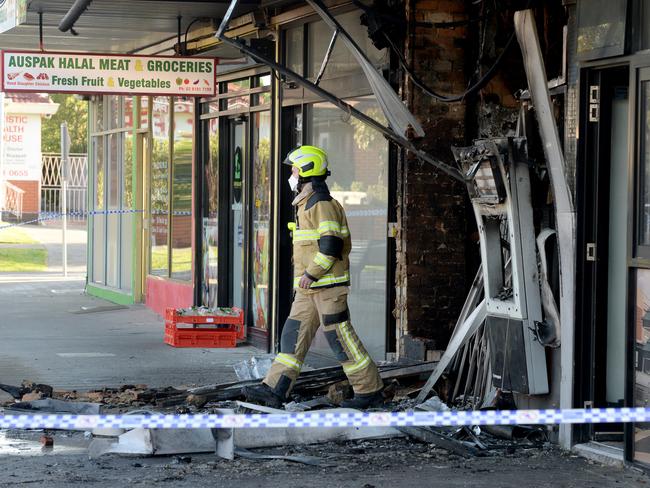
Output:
(20, 151)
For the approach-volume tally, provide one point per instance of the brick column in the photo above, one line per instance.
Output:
(431, 274)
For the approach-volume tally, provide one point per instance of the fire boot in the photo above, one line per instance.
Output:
(361, 402)
(263, 394)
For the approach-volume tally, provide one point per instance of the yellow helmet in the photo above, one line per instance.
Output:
(310, 161)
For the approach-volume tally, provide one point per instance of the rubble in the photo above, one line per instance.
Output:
(320, 389)
(47, 441)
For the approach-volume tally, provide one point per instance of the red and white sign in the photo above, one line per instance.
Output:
(21, 147)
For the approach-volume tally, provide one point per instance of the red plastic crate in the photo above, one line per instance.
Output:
(171, 315)
(199, 337)
(224, 322)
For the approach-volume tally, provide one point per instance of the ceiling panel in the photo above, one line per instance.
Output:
(118, 26)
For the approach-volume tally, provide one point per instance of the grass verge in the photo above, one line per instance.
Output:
(14, 260)
(14, 235)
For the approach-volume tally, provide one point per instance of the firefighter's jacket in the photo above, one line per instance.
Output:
(321, 240)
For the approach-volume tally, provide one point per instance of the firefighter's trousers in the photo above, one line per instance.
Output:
(327, 307)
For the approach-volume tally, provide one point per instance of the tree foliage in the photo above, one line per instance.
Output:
(73, 111)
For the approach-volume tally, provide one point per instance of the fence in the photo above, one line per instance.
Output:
(13, 200)
(77, 184)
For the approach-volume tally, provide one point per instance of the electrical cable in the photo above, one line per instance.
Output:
(187, 29)
(489, 74)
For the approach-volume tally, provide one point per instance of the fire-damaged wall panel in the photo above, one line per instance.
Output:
(508, 354)
(499, 186)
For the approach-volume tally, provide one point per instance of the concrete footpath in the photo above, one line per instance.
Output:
(50, 236)
(51, 332)
(392, 463)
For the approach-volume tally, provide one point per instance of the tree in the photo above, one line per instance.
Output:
(73, 111)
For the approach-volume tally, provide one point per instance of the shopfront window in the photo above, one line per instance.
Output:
(98, 219)
(343, 75)
(358, 158)
(261, 216)
(642, 362)
(294, 42)
(181, 237)
(127, 219)
(644, 156)
(112, 219)
(159, 184)
(170, 232)
(210, 212)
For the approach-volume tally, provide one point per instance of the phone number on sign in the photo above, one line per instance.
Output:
(14, 173)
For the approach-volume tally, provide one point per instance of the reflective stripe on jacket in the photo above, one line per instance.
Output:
(319, 215)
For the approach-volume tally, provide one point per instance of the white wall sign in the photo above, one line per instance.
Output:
(48, 72)
(12, 13)
(22, 147)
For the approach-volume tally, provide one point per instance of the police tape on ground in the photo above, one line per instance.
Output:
(326, 419)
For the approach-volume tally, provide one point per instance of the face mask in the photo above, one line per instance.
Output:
(293, 183)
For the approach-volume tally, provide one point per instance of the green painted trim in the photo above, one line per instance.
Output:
(110, 295)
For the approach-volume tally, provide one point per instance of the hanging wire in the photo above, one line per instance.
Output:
(417, 81)
(481, 83)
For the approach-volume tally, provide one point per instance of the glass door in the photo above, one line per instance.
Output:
(641, 271)
(235, 196)
(236, 166)
(602, 258)
(260, 241)
(210, 208)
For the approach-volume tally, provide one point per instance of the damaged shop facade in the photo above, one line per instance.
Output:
(525, 160)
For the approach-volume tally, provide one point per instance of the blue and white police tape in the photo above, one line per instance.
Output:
(45, 216)
(326, 419)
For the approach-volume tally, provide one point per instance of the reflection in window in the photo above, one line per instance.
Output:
(99, 222)
(644, 211)
(262, 98)
(159, 186)
(210, 213)
(126, 220)
(263, 80)
(294, 45)
(100, 175)
(98, 117)
(238, 103)
(182, 190)
(358, 158)
(113, 111)
(144, 112)
(114, 182)
(127, 171)
(127, 116)
(261, 217)
(113, 220)
(238, 85)
(642, 363)
(342, 65)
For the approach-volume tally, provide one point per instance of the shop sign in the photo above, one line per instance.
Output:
(47, 72)
(237, 176)
(12, 14)
(22, 147)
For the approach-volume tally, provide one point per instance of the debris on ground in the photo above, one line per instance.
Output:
(28, 391)
(50, 405)
(47, 441)
(319, 389)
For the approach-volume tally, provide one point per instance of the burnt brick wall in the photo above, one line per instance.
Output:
(432, 224)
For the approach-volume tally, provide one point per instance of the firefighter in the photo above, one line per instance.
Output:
(321, 248)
